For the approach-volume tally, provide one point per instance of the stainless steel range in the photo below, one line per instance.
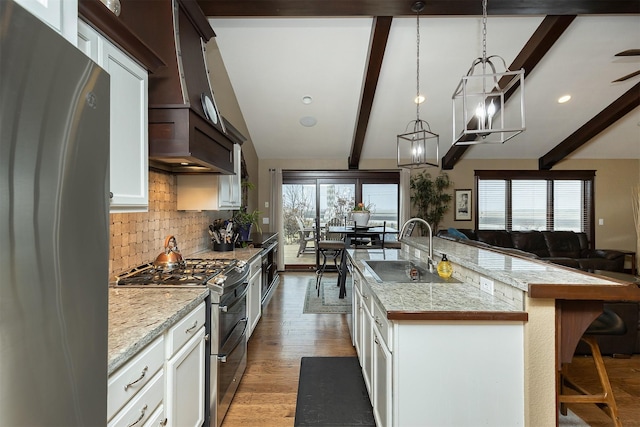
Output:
(227, 328)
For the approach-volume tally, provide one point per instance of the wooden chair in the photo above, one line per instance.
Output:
(608, 323)
(330, 246)
(307, 234)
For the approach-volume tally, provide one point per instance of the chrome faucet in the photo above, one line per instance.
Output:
(430, 261)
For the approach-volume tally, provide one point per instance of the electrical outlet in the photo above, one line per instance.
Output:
(265, 220)
(417, 253)
(266, 204)
(486, 285)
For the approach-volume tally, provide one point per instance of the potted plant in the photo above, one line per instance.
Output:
(430, 198)
(244, 220)
(360, 214)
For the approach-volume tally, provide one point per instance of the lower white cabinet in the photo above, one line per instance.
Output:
(164, 384)
(254, 306)
(186, 384)
(423, 372)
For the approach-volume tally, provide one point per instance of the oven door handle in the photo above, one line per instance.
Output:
(222, 357)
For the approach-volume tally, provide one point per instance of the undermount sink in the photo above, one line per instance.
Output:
(399, 271)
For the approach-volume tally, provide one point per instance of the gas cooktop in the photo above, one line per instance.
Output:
(194, 272)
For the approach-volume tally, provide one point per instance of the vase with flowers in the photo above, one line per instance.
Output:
(360, 214)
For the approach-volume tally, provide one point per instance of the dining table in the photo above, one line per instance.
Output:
(352, 234)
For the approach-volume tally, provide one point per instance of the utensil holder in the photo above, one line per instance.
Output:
(222, 247)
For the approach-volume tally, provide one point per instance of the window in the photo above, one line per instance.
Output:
(535, 200)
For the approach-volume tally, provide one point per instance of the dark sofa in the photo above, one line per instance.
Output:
(560, 247)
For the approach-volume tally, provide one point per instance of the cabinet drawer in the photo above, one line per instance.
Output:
(186, 328)
(142, 407)
(157, 419)
(255, 266)
(382, 324)
(367, 298)
(132, 377)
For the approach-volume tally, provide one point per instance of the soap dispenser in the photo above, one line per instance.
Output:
(445, 269)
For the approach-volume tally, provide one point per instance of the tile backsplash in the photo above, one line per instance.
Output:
(138, 238)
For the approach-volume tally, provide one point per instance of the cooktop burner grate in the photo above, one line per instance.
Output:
(195, 272)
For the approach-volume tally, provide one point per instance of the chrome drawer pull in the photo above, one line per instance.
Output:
(142, 412)
(378, 321)
(144, 372)
(164, 422)
(189, 330)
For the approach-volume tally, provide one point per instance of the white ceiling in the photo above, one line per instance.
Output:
(274, 62)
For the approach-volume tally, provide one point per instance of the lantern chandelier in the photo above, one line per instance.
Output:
(479, 115)
(418, 148)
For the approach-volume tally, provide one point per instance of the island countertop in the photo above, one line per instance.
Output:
(538, 278)
(431, 301)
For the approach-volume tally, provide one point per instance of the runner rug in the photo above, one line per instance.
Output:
(328, 301)
(331, 392)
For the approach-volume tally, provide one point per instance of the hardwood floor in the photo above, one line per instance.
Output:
(624, 375)
(267, 394)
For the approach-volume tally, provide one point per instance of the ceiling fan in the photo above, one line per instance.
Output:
(628, 52)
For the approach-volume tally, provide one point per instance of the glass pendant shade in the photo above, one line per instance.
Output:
(478, 107)
(418, 148)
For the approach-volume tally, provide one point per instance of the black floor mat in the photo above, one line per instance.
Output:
(331, 392)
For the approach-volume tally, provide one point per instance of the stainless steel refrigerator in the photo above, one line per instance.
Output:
(54, 155)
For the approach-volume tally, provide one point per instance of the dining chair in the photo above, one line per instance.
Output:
(307, 234)
(331, 246)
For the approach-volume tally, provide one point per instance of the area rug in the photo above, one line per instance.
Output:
(328, 301)
(331, 392)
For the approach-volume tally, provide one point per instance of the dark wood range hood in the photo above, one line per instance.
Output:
(182, 137)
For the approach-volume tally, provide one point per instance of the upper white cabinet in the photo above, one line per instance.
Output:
(211, 192)
(229, 186)
(61, 15)
(129, 163)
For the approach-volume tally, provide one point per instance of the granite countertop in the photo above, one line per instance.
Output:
(138, 316)
(540, 279)
(431, 301)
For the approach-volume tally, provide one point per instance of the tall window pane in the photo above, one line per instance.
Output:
(492, 205)
(383, 199)
(529, 205)
(298, 207)
(567, 205)
(336, 201)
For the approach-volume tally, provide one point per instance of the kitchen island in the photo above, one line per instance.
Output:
(454, 354)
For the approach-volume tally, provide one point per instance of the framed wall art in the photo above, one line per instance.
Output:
(463, 205)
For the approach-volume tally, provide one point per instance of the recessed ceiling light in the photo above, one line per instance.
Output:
(419, 99)
(307, 99)
(563, 99)
(308, 121)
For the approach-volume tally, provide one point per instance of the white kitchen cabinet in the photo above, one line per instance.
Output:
(142, 406)
(61, 15)
(185, 386)
(129, 162)
(254, 306)
(229, 186)
(211, 192)
(382, 385)
(125, 383)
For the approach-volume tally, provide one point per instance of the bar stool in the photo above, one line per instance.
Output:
(608, 323)
(328, 248)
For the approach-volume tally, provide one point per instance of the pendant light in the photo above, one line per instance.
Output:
(418, 147)
(479, 115)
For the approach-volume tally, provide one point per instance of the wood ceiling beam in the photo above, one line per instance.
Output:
(545, 36)
(377, 46)
(615, 111)
(300, 8)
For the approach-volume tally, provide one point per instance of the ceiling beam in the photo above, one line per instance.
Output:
(333, 8)
(545, 36)
(616, 110)
(377, 46)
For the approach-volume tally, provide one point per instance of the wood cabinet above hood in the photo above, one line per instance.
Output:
(180, 131)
